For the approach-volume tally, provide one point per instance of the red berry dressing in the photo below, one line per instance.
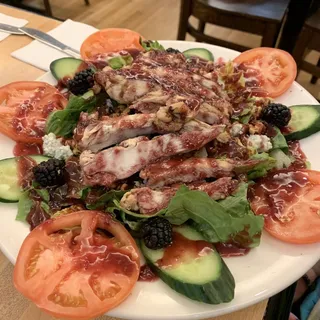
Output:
(183, 250)
(146, 274)
(26, 149)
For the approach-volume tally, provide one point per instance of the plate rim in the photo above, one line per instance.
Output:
(229, 308)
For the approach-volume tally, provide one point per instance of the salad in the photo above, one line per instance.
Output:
(145, 163)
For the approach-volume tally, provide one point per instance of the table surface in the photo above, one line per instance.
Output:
(14, 306)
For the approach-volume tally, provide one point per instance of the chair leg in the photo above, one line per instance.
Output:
(314, 79)
(270, 35)
(185, 11)
(301, 45)
(47, 8)
(201, 26)
(87, 2)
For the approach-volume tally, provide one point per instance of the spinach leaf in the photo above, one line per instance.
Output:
(279, 141)
(119, 62)
(24, 206)
(148, 45)
(63, 122)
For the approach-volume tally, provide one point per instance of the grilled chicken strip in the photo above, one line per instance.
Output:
(96, 134)
(156, 58)
(147, 89)
(132, 155)
(173, 171)
(148, 201)
(184, 80)
(178, 60)
(126, 85)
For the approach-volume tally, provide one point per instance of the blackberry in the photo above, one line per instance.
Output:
(81, 82)
(156, 233)
(171, 50)
(49, 173)
(276, 114)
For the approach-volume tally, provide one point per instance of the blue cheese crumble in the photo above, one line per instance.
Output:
(53, 147)
(261, 143)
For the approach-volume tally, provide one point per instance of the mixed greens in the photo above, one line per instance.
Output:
(192, 214)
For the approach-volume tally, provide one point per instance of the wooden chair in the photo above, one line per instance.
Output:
(262, 17)
(309, 39)
(47, 11)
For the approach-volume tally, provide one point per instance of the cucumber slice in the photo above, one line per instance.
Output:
(199, 52)
(305, 121)
(64, 69)
(205, 279)
(9, 184)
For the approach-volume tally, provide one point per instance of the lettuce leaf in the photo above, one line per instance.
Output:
(24, 206)
(63, 122)
(222, 221)
(263, 167)
(148, 45)
(227, 220)
(279, 141)
(131, 213)
(106, 200)
(237, 204)
(133, 225)
(120, 61)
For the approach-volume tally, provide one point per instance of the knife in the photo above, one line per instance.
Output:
(42, 37)
(51, 41)
(10, 29)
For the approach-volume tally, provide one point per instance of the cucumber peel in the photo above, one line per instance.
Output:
(64, 69)
(305, 121)
(199, 52)
(9, 186)
(206, 279)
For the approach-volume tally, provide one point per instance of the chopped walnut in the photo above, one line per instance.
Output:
(171, 118)
(257, 127)
(224, 137)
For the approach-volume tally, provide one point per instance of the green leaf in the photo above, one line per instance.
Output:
(211, 218)
(148, 45)
(44, 194)
(24, 206)
(245, 119)
(82, 194)
(283, 160)
(107, 199)
(267, 163)
(133, 225)
(237, 203)
(45, 207)
(119, 62)
(135, 214)
(279, 141)
(63, 122)
(175, 211)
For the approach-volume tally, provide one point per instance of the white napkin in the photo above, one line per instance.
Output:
(12, 21)
(40, 55)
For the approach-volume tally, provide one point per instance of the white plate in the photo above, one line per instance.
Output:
(264, 272)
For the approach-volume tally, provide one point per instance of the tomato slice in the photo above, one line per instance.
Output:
(78, 266)
(278, 68)
(290, 203)
(24, 108)
(110, 40)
